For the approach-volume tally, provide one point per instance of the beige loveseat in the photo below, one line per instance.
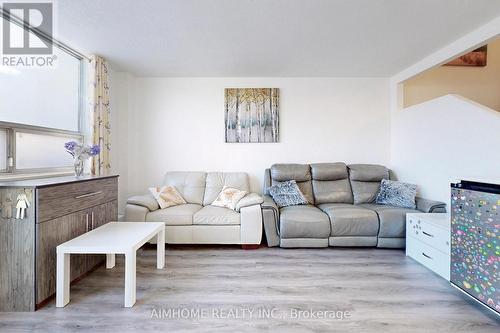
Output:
(198, 222)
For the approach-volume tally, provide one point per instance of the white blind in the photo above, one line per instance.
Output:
(47, 97)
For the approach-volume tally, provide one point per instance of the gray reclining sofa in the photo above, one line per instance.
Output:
(341, 210)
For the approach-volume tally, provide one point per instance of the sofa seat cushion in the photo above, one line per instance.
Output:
(350, 220)
(303, 221)
(213, 215)
(392, 219)
(176, 215)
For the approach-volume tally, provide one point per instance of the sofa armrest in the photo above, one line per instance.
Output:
(270, 203)
(430, 206)
(135, 213)
(271, 214)
(144, 200)
(251, 225)
(249, 200)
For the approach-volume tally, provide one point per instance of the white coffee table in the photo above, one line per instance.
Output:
(110, 239)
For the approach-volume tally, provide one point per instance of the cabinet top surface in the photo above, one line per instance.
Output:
(42, 182)
(438, 219)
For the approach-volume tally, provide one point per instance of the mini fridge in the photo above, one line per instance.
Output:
(475, 241)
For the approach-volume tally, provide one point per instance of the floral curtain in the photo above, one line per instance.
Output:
(100, 111)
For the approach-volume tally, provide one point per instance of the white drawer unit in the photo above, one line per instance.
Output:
(428, 256)
(430, 230)
(428, 241)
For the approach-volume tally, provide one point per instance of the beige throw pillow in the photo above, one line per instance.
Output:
(167, 196)
(229, 197)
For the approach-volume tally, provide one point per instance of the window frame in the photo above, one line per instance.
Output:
(14, 128)
(7, 148)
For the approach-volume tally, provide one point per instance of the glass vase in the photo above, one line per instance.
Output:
(79, 167)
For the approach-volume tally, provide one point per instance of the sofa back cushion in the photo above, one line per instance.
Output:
(217, 180)
(365, 181)
(191, 185)
(301, 173)
(330, 183)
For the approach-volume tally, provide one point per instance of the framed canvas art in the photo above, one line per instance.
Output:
(251, 115)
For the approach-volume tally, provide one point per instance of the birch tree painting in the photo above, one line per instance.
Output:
(252, 114)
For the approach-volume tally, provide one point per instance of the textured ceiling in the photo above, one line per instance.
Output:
(342, 38)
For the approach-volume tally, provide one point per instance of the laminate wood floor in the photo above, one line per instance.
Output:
(226, 289)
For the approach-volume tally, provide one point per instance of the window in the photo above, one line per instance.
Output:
(40, 110)
(41, 150)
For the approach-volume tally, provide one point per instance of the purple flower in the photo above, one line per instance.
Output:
(81, 152)
(94, 150)
(70, 146)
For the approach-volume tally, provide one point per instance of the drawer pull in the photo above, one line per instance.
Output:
(427, 234)
(425, 255)
(88, 195)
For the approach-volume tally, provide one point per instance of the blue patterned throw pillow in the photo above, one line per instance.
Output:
(397, 194)
(287, 194)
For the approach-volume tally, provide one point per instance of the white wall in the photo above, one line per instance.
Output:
(446, 138)
(165, 124)
(442, 140)
(178, 124)
(121, 102)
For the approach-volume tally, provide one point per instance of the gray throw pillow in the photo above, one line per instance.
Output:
(397, 194)
(287, 194)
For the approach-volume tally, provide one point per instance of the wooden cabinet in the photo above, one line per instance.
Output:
(99, 216)
(63, 208)
(50, 234)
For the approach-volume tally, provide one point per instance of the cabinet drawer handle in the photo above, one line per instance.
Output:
(88, 195)
(425, 255)
(427, 234)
